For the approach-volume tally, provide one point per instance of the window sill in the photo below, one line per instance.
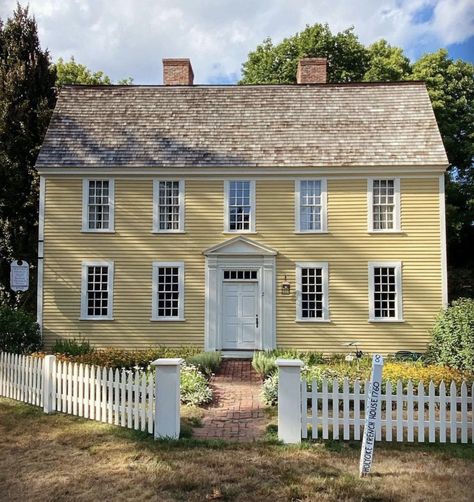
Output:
(314, 320)
(386, 320)
(251, 232)
(96, 319)
(168, 232)
(168, 319)
(97, 231)
(382, 232)
(310, 232)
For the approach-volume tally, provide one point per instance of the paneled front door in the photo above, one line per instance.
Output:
(240, 315)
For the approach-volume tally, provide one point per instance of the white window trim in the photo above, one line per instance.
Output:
(182, 202)
(324, 200)
(370, 206)
(85, 206)
(399, 291)
(252, 208)
(110, 287)
(154, 303)
(325, 268)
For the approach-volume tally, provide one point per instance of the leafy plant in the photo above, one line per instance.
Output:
(264, 363)
(194, 388)
(19, 332)
(270, 390)
(207, 362)
(453, 336)
(72, 347)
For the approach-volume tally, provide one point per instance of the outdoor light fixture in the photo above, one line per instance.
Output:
(285, 287)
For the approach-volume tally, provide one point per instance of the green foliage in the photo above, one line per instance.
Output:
(72, 347)
(195, 388)
(19, 332)
(270, 390)
(26, 100)
(207, 362)
(264, 362)
(272, 64)
(453, 336)
(386, 63)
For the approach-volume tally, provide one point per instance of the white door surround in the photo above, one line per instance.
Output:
(240, 254)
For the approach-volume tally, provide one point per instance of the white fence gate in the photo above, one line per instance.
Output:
(138, 400)
(335, 409)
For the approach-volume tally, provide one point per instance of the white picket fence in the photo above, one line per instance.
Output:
(146, 401)
(336, 410)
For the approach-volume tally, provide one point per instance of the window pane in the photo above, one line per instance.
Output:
(239, 205)
(168, 205)
(97, 291)
(312, 295)
(99, 205)
(310, 205)
(383, 204)
(385, 292)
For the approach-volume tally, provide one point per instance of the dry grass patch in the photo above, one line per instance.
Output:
(59, 457)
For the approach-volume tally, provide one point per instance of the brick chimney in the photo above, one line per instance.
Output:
(312, 71)
(177, 72)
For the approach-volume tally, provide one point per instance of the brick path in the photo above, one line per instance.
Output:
(236, 413)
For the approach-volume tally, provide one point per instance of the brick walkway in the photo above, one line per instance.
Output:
(236, 413)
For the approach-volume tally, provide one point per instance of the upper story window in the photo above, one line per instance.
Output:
(97, 290)
(384, 205)
(385, 287)
(168, 205)
(239, 206)
(168, 291)
(98, 205)
(310, 210)
(312, 292)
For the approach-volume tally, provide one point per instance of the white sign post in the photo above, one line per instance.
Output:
(372, 416)
(19, 275)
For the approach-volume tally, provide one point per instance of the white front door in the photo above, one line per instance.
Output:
(240, 315)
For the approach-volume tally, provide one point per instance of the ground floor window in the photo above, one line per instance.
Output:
(312, 292)
(168, 291)
(97, 290)
(385, 286)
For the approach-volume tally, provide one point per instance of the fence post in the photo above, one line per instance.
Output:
(49, 367)
(167, 398)
(289, 400)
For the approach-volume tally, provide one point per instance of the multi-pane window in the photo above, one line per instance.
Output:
(385, 291)
(384, 208)
(168, 294)
(310, 205)
(240, 206)
(312, 292)
(98, 201)
(97, 283)
(168, 205)
(240, 275)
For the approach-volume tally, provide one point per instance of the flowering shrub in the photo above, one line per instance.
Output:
(195, 388)
(270, 390)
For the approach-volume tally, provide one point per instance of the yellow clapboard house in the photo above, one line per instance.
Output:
(242, 218)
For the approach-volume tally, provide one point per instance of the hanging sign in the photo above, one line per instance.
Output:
(372, 416)
(19, 275)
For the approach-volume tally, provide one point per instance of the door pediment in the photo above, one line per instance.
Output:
(239, 246)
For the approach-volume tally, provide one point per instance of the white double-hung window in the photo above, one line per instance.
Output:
(384, 205)
(97, 290)
(385, 291)
(310, 207)
(98, 205)
(168, 206)
(168, 291)
(312, 292)
(239, 206)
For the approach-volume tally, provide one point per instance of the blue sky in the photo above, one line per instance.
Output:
(130, 37)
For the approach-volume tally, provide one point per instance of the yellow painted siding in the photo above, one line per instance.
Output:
(347, 247)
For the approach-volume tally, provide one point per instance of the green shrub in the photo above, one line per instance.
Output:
(453, 336)
(270, 390)
(195, 388)
(72, 347)
(264, 363)
(207, 362)
(19, 332)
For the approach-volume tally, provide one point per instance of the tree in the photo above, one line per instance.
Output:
(271, 64)
(27, 97)
(386, 63)
(70, 72)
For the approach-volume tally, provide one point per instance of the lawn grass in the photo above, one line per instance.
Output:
(59, 457)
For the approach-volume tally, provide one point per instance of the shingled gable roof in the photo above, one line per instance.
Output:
(328, 125)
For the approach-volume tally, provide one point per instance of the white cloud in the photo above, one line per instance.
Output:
(130, 37)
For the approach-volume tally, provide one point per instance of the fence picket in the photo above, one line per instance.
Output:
(325, 398)
(129, 400)
(75, 388)
(98, 416)
(357, 399)
(442, 412)
(421, 412)
(431, 413)
(92, 392)
(453, 408)
(103, 395)
(345, 409)
(123, 384)
(464, 412)
(86, 390)
(388, 412)
(151, 402)
(315, 410)
(136, 395)
(410, 414)
(116, 397)
(80, 395)
(143, 401)
(110, 397)
(335, 409)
